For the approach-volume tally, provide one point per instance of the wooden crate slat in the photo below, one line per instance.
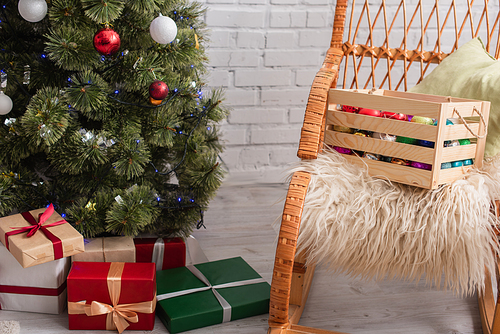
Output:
(458, 153)
(394, 172)
(385, 103)
(459, 131)
(383, 125)
(464, 109)
(425, 97)
(451, 174)
(383, 147)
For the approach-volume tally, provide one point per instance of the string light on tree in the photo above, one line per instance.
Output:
(163, 29)
(5, 104)
(32, 10)
(107, 41)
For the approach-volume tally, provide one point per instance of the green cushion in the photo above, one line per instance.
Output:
(471, 73)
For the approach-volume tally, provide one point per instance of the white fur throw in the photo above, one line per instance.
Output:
(9, 327)
(369, 227)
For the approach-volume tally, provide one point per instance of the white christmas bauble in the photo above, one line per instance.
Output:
(5, 104)
(163, 29)
(32, 10)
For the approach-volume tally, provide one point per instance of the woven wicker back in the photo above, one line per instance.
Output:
(392, 44)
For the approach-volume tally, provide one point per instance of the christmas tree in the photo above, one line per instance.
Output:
(103, 114)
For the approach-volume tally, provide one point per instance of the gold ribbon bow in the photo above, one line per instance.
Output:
(118, 316)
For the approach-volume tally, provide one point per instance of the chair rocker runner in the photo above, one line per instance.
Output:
(357, 63)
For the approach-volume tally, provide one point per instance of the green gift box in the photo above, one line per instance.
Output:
(210, 293)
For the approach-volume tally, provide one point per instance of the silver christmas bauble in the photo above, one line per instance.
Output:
(32, 10)
(5, 104)
(163, 29)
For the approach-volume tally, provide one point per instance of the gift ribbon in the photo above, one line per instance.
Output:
(158, 251)
(118, 316)
(226, 316)
(194, 253)
(30, 290)
(42, 218)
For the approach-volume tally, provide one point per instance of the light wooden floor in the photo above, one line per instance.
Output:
(239, 223)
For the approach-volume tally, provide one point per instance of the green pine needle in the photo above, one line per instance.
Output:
(71, 49)
(132, 211)
(46, 118)
(101, 11)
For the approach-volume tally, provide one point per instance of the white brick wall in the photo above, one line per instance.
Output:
(265, 54)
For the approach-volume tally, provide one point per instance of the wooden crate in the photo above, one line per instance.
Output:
(437, 107)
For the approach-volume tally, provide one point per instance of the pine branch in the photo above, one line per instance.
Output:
(46, 118)
(87, 93)
(71, 50)
(132, 211)
(101, 11)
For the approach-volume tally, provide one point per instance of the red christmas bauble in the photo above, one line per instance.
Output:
(158, 90)
(369, 112)
(350, 109)
(107, 41)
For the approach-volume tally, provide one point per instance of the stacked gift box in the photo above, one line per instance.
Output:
(119, 283)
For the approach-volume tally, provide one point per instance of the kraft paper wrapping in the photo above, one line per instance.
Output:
(48, 279)
(107, 249)
(38, 248)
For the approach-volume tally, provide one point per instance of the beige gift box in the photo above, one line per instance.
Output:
(107, 249)
(37, 249)
(40, 289)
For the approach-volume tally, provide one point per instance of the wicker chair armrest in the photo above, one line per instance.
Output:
(312, 133)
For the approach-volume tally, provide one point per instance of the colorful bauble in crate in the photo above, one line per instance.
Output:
(426, 143)
(464, 141)
(350, 109)
(342, 150)
(467, 162)
(451, 143)
(385, 158)
(343, 129)
(369, 112)
(107, 41)
(399, 161)
(420, 165)
(370, 156)
(406, 140)
(448, 122)
(384, 136)
(458, 163)
(158, 90)
(422, 120)
(446, 165)
(393, 115)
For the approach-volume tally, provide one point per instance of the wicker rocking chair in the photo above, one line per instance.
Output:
(432, 31)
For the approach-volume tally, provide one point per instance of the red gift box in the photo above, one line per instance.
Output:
(171, 252)
(93, 285)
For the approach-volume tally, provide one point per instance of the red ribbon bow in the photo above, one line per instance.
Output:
(35, 226)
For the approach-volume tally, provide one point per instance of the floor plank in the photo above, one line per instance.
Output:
(239, 222)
